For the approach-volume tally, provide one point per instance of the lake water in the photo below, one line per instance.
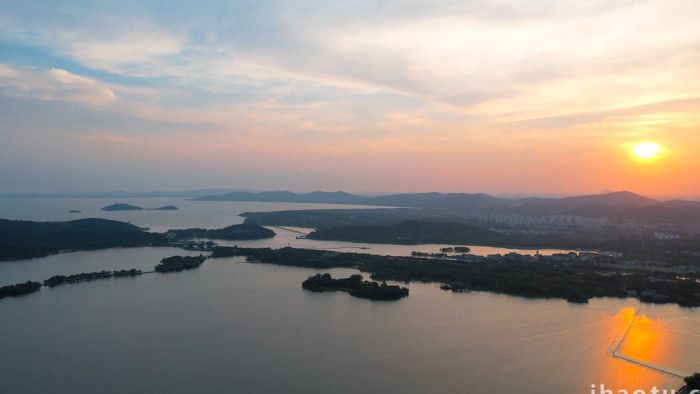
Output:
(231, 326)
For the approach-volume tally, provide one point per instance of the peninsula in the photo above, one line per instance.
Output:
(20, 239)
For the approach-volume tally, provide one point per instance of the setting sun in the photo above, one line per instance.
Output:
(647, 150)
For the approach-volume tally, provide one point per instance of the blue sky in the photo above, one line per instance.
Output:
(491, 96)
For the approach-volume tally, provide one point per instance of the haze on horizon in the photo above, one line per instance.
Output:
(500, 97)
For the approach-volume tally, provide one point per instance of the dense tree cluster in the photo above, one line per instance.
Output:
(121, 207)
(236, 232)
(86, 276)
(355, 286)
(179, 263)
(25, 239)
(19, 289)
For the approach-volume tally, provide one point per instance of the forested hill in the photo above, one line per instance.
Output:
(620, 205)
(25, 239)
(413, 232)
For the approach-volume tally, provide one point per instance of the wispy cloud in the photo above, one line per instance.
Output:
(53, 85)
(460, 84)
(121, 51)
(686, 108)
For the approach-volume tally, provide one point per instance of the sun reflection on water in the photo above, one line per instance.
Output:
(645, 340)
(644, 345)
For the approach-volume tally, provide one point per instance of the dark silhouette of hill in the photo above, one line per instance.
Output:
(126, 194)
(25, 239)
(568, 204)
(450, 201)
(339, 197)
(623, 204)
(613, 198)
(454, 201)
(317, 197)
(276, 196)
(458, 201)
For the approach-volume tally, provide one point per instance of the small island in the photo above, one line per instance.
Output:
(121, 207)
(74, 211)
(236, 232)
(355, 286)
(179, 263)
(167, 208)
(87, 276)
(129, 207)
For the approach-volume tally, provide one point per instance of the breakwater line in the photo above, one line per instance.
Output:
(614, 350)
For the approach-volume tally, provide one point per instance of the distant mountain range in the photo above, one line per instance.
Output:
(623, 204)
(123, 194)
(615, 204)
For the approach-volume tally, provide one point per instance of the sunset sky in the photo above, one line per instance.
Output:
(496, 96)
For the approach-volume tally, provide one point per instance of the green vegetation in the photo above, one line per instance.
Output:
(566, 279)
(25, 239)
(87, 276)
(167, 208)
(179, 263)
(236, 232)
(19, 289)
(355, 286)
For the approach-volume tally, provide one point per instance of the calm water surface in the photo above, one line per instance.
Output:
(210, 214)
(250, 328)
